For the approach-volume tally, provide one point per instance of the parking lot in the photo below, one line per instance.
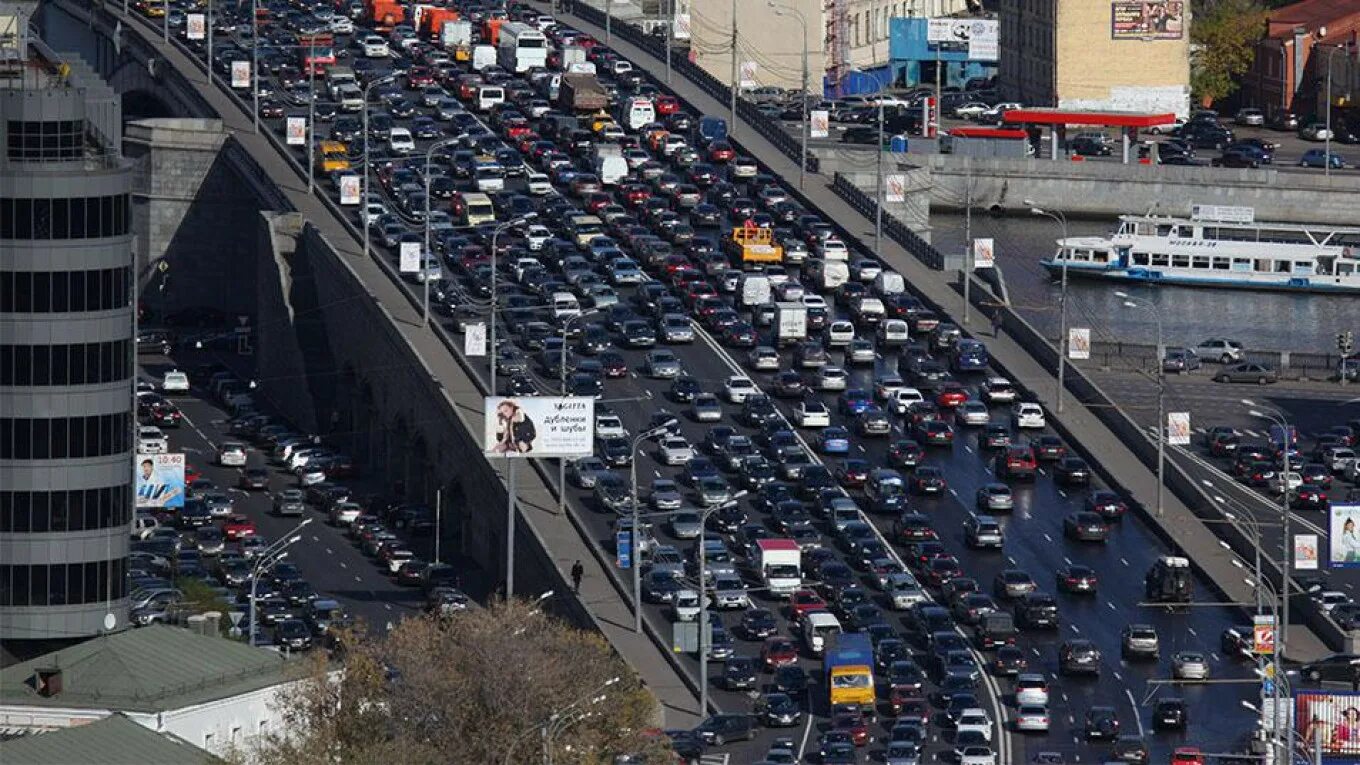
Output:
(654, 264)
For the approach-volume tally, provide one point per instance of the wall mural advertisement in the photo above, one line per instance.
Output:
(1147, 19)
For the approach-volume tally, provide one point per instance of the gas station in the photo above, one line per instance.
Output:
(1058, 120)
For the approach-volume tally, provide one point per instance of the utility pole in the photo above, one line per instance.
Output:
(803, 101)
(209, 24)
(311, 114)
(878, 185)
(608, 21)
(967, 245)
(732, 105)
(669, 21)
(255, 62)
(438, 520)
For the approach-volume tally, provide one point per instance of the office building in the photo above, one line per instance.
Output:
(1110, 55)
(67, 355)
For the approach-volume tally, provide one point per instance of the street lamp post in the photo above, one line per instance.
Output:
(593, 697)
(878, 165)
(562, 364)
(495, 291)
(1134, 302)
(510, 468)
(255, 59)
(311, 114)
(1327, 151)
(429, 157)
(267, 558)
(1058, 216)
(783, 10)
(636, 562)
(703, 599)
(363, 205)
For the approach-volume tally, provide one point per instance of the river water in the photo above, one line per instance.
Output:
(1260, 320)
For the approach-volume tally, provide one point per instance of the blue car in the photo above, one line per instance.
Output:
(855, 401)
(1319, 157)
(970, 356)
(835, 440)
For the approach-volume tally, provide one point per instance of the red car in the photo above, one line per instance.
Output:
(720, 152)
(636, 195)
(237, 527)
(853, 473)
(941, 569)
(778, 652)
(1187, 755)
(951, 395)
(900, 699)
(854, 724)
(804, 602)
(517, 129)
(419, 77)
(666, 105)
(191, 474)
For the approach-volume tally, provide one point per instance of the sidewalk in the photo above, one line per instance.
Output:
(537, 502)
(1138, 482)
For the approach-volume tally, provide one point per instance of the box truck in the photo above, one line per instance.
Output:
(780, 563)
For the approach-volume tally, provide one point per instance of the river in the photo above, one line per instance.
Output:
(1260, 320)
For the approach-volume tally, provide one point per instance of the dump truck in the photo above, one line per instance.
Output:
(384, 14)
(850, 671)
(753, 246)
(582, 93)
(780, 563)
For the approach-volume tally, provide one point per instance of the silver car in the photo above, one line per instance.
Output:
(904, 591)
(662, 364)
(1190, 665)
(586, 471)
(973, 413)
(995, 496)
(1031, 718)
(684, 525)
(830, 378)
(675, 450)
(665, 495)
(729, 592)
(707, 408)
(763, 358)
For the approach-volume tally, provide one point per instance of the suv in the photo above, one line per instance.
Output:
(1168, 581)
(1078, 657)
(983, 531)
(1219, 349)
(1139, 641)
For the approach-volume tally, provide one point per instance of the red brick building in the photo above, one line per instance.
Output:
(1300, 42)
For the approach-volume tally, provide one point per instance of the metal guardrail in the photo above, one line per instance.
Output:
(895, 229)
(1290, 365)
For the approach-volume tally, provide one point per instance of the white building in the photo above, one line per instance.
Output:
(211, 692)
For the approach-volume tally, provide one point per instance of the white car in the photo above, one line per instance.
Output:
(1028, 415)
(707, 408)
(1277, 484)
(399, 141)
(609, 426)
(894, 332)
(998, 390)
(1030, 718)
(975, 719)
(675, 450)
(971, 110)
(830, 378)
(903, 398)
(811, 413)
(763, 358)
(973, 413)
(737, 388)
(150, 440)
(341, 25)
(840, 333)
(686, 606)
(536, 236)
(375, 47)
(539, 184)
(976, 755)
(175, 381)
(232, 454)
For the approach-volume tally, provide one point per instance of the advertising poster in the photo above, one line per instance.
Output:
(1178, 428)
(194, 26)
(160, 480)
(1147, 19)
(1078, 343)
(474, 340)
(297, 131)
(984, 40)
(819, 123)
(240, 74)
(349, 189)
(1306, 552)
(410, 257)
(681, 27)
(748, 74)
(1263, 635)
(1343, 548)
(984, 253)
(1329, 720)
(539, 426)
(895, 188)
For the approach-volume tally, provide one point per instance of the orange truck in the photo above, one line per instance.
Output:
(384, 14)
(431, 20)
(491, 31)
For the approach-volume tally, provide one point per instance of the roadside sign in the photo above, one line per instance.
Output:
(1078, 343)
(194, 26)
(474, 340)
(296, 134)
(1178, 428)
(1306, 552)
(1263, 635)
(349, 189)
(895, 188)
(748, 74)
(410, 257)
(240, 74)
(623, 549)
(819, 123)
(984, 253)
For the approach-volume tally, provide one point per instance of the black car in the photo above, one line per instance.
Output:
(791, 679)
(718, 730)
(739, 673)
(1101, 724)
(1078, 656)
(1130, 749)
(865, 135)
(1170, 714)
(1072, 471)
(1085, 146)
(1339, 667)
(757, 624)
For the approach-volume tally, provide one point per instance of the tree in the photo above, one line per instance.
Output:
(478, 687)
(1225, 35)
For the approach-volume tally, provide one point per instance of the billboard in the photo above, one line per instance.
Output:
(680, 27)
(1306, 552)
(984, 253)
(349, 189)
(981, 37)
(240, 74)
(819, 123)
(1147, 19)
(194, 27)
(895, 188)
(1343, 532)
(539, 426)
(160, 480)
(1263, 635)
(297, 131)
(1330, 721)
(410, 257)
(748, 74)
(474, 340)
(1078, 343)
(1178, 428)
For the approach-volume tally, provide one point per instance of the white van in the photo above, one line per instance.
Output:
(828, 274)
(483, 56)
(637, 112)
(565, 304)
(489, 96)
(818, 629)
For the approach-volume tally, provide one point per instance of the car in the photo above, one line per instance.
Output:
(1031, 688)
(994, 497)
(737, 388)
(1028, 415)
(1013, 584)
(811, 413)
(763, 358)
(1219, 349)
(1250, 116)
(1030, 718)
(834, 440)
(1101, 724)
(1320, 158)
(1180, 361)
(778, 710)
(1078, 656)
(1140, 641)
(1107, 504)
(1072, 471)
(662, 364)
(1130, 749)
(1077, 579)
(706, 408)
(1170, 714)
(1190, 665)
(1339, 667)
(175, 381)
(1247, 372)
(720, 729)
(674, 450)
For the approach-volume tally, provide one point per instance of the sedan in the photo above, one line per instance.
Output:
(994, 497)
(662, 364)
(1030, 718)
(1085, 526)
(1013, 583)
(834, 440)
(1077, 579)
(1247, 372)
(706, 408)
(1190, 665)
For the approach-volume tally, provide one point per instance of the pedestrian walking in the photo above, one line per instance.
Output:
(577, 571)
(996, 323)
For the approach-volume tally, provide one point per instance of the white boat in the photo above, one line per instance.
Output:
(1217, 247)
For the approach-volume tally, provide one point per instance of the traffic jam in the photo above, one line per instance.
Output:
(901, 560)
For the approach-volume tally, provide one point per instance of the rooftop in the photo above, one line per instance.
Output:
(1314, 14)
(115, 740)
(151, 669)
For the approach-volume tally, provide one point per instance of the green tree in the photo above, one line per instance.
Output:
(474, 688)
(1224, 34)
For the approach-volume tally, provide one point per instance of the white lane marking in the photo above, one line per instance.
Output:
(1125, 561)
(807, 731)
(342, 565)
(357, 579)
(328, 550)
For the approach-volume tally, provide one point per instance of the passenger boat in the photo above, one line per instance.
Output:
(1217, 247)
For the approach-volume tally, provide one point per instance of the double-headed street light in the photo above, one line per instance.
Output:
(495, 284)
(1136, 302)
(636, 561)
(882, 94)
(594, 697)
(266, 560)
(1058, 216)
(784, 10)
(1286, 443)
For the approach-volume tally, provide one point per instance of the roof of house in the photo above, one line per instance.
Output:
(115, 740)
(151, 669)
(1310, 14)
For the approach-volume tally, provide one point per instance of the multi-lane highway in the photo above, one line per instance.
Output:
(1034, 533)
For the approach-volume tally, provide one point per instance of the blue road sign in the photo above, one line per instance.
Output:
(623, 549)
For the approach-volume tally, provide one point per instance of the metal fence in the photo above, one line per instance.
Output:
(895, 229)
(1291, 365)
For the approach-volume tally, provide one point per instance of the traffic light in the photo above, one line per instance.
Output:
(1345, 342)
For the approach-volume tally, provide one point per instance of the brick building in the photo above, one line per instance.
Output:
(1301, 40)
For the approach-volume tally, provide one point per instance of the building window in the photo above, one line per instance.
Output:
(62, 438)
(62, 584)
(31, 141)
(78, 218)
(62, 510)
(75, 364)
(65, 291)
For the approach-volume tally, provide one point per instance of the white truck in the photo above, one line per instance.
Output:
(755, 290)
(780, 563)
(570, 55)
(456, 34)
(610, 164)
(337, 77)
(827, 274)
(889, 283)
(790, 320)
(522, 47)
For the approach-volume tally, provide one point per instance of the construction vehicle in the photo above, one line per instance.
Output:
(384, 14)
(430, 21)
(582, 93)
(332, 156)
(753, 246)
(491, 31)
